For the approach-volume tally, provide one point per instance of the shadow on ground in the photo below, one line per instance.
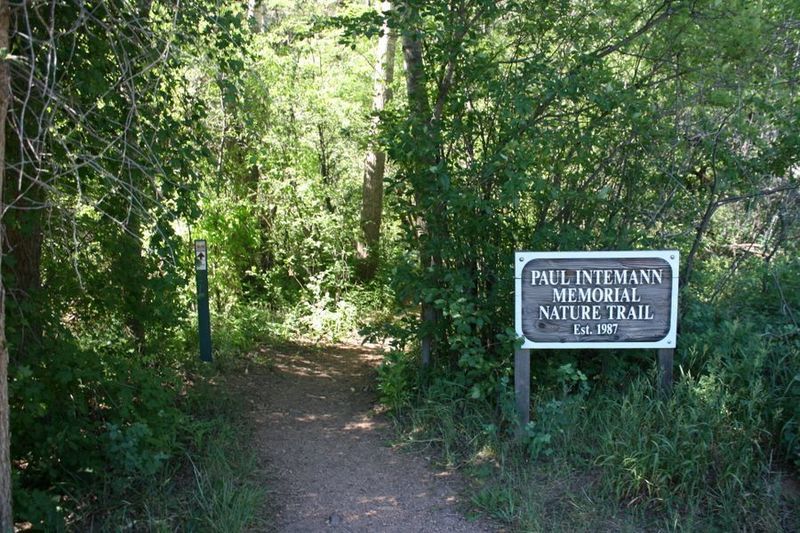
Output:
(327, 453)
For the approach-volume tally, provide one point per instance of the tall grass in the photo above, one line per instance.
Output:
(211, 485)
(687, 457)
(614, 458)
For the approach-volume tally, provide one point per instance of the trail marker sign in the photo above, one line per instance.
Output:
(594, 300)
(200, 255)
(203, 313)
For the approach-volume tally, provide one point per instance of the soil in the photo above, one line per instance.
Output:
(328, 452)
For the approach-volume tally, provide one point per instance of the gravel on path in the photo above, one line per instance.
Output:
(330, 462)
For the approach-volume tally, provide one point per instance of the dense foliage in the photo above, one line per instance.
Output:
(106, 149)
(538, 125)
(591, 126)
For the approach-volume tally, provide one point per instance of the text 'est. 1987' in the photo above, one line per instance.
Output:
(596, 299)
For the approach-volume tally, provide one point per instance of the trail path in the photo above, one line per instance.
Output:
(330, 464)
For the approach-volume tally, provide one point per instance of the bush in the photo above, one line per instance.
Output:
(394, 376)
(757, 363)
(84, 419)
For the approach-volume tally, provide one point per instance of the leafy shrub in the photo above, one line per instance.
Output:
(334, 311)
(757, 362)
(243, 326)
(394, 375)
(704, 457)
(84, 419)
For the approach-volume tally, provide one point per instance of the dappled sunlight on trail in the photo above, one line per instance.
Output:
(328, 453)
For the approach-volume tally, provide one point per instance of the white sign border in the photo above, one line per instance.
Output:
(522, 258)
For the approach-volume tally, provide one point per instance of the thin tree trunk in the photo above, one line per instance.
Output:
(24, 236)
(325, 167)
(135, 303)
(266, 218)
(698, 239)
(702, 228)
(132, 257)
(6, 519)
(421, 119)
(375, 162)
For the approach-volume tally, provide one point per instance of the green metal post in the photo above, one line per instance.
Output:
(203, 313)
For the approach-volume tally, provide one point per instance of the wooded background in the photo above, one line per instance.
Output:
(354, 164)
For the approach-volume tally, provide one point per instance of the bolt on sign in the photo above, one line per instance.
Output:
(596, 299)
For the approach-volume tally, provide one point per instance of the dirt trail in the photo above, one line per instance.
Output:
(328, 454)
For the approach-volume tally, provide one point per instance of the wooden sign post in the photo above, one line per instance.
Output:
(203, 314)
(594, 300)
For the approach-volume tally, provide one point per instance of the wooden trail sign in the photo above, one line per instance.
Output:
(594, 300)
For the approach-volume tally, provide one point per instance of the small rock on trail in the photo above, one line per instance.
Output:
(328, 456)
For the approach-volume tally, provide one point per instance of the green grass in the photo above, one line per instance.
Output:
(212, 484)
(548, 494)
(612, 460)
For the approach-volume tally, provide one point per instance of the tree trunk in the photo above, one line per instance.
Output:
(421, 123)
(6, 520)
(702, 228)
(132, 254)
(24, 235)
(325, 167)
(266, 217)
(133, 289)
(25, 198)
(368, 248)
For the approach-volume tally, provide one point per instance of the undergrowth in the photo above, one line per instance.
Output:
(209, 485)
(604, 449)
(108, 439)
(318, 316)
(615, 455)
